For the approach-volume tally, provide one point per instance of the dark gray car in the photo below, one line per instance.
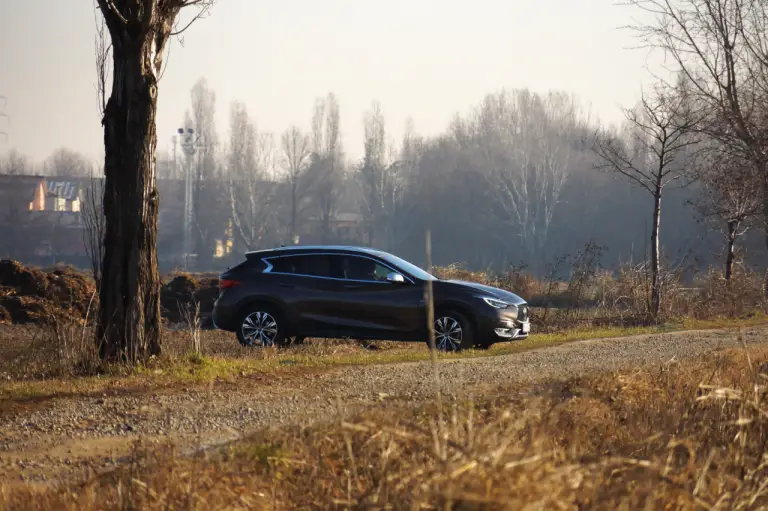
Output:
(359, 293)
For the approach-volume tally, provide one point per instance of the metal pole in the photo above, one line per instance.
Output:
(190, 145)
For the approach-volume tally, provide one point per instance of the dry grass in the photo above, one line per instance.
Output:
(680, 436)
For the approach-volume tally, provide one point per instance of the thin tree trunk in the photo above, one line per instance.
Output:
(655, 265)
(293, 211)
(732, 226)
(129, 320)
(765, 202)
(765, 216)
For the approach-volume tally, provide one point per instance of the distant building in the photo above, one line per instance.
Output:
(20, 231)
(64, 194)
(21, 193)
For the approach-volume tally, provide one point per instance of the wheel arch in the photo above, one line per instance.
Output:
(464, 310)
(253, 301)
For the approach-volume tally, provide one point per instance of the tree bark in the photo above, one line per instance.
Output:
(655, 265)
(129, 316)
(730, 257)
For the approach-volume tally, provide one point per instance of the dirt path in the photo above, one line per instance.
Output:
(68, 435)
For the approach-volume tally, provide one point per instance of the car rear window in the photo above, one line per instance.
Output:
(308, 264)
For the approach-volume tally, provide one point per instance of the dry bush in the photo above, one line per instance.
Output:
(456, 272)
(59, 347)
(743, 295)
(680, 436)
(519, 282)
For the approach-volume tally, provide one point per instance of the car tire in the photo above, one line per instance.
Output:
(453, 331)
(261, 326)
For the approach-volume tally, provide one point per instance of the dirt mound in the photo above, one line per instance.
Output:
(29, 295)
(180, 296)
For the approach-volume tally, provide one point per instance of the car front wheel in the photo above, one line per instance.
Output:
(261, 327)
(453, 332)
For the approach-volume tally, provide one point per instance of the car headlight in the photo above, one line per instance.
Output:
(496, 304)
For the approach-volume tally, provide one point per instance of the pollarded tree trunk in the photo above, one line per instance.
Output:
(129, 316)
(129, 324)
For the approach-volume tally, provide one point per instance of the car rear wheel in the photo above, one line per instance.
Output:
(261, 327)
(453, 332)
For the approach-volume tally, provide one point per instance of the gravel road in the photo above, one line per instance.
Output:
(63, 436)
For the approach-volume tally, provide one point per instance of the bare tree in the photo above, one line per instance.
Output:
(103, 52)
(296, 152)
(67, 163)
(326, 161)
(661, 137)
(15, 163)
(93, 218)
(721, 47)
(209, 225)
(528, 143)
(373, 171)
(251, 156)
(129, 319)
(401, 199)
(730, 197)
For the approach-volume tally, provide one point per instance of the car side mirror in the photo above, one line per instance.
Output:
(395, 278)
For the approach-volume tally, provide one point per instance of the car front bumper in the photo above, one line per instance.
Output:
(499, 325)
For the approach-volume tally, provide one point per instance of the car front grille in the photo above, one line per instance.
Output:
(522, 313)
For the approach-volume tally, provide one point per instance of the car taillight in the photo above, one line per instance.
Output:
(226, 283)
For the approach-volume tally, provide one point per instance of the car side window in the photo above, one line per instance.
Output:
(308, 264)
(362, 268)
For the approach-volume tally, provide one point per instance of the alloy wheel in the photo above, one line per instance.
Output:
(259, 329)
(448, 334)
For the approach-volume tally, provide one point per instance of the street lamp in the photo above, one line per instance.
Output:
(189, 144)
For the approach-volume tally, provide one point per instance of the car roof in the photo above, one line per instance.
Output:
(308, 249)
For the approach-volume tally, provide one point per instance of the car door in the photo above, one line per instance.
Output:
(307, 286)
(371, 307)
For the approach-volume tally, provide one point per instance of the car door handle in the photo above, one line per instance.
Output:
(283, 284)
(352, 286)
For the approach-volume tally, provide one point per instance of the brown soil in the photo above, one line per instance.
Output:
(180, 296)
(32, 295)
(29, 295)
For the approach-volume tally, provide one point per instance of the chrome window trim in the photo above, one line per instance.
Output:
(269, 267)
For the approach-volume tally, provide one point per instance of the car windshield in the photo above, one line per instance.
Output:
(407, 267)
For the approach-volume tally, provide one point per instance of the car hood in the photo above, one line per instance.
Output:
(491, 291)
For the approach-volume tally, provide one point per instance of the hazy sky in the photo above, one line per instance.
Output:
(423, 59)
